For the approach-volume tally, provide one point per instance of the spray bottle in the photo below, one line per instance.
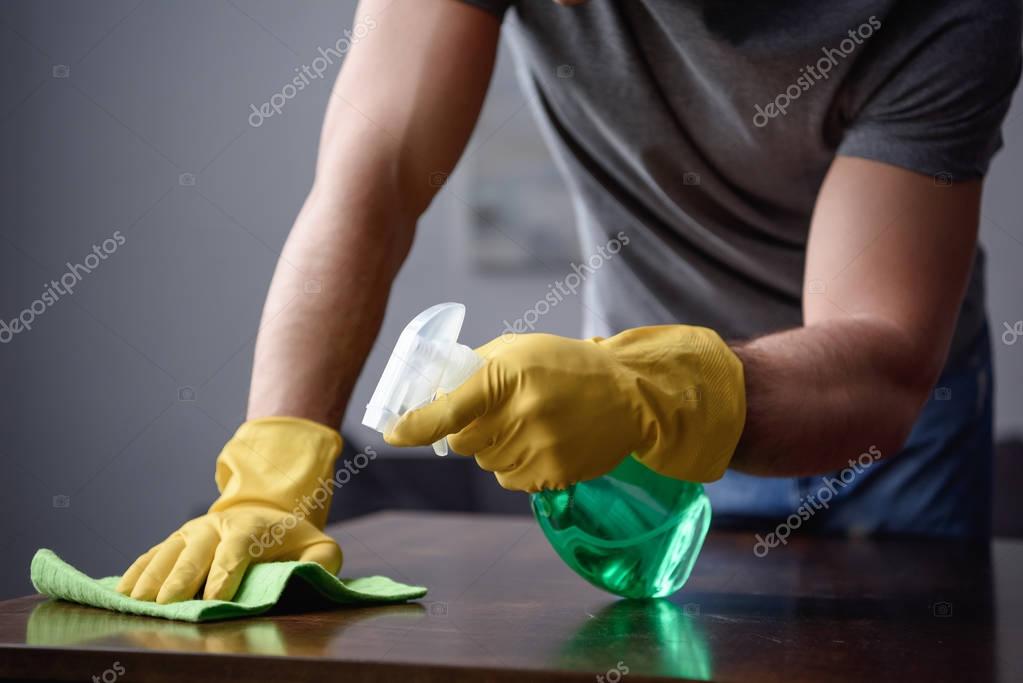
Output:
(631, 532)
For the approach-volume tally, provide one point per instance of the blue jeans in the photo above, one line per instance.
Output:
(938, 485)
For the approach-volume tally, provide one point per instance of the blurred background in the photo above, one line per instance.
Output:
(142, 118)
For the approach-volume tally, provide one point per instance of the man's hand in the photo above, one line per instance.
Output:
(218, 547)
(275, 479)
(545, 412)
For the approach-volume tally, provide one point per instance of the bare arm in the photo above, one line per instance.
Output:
(404, 105)
(888, 260)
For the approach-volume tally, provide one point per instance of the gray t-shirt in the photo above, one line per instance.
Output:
(704, 128)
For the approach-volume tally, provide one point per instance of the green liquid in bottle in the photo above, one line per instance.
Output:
(632, 532)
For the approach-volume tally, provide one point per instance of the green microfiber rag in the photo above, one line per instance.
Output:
(260, 589)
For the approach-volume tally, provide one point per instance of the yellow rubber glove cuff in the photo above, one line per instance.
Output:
(545, 412)
(285, 462)
(693, 398)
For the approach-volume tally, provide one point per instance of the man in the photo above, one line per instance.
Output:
(800, 179)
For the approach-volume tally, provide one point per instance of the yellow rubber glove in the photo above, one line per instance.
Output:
(545, 412)
(275, 479)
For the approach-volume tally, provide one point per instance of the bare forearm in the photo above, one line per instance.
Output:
(330, 287)
(325, 306)
(403, 107)
(819, 395)
(895, 251)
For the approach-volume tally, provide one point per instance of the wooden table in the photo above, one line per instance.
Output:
(502, 607)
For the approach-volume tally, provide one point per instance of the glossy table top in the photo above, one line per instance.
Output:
(503, 607)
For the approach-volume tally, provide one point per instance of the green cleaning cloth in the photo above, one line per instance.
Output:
(261, 588)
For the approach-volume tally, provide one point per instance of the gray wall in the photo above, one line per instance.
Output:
(133, 117)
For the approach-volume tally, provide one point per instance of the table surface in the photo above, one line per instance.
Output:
(503, 607)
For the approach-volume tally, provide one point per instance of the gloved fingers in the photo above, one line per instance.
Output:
(503, 452)
(520, 479)
(191, 567)
(480, 435)
(512, 469)
(152, 578)
(513, 481)
(524, 472)
(325, 553)
(230, 561)
(131, 577)
(447, 414)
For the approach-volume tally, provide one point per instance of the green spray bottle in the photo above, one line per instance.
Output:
(631, 532)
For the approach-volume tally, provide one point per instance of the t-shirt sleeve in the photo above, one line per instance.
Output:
(939, 105)
(495, 7)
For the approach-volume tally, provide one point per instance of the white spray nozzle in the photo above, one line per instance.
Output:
(426, 359)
